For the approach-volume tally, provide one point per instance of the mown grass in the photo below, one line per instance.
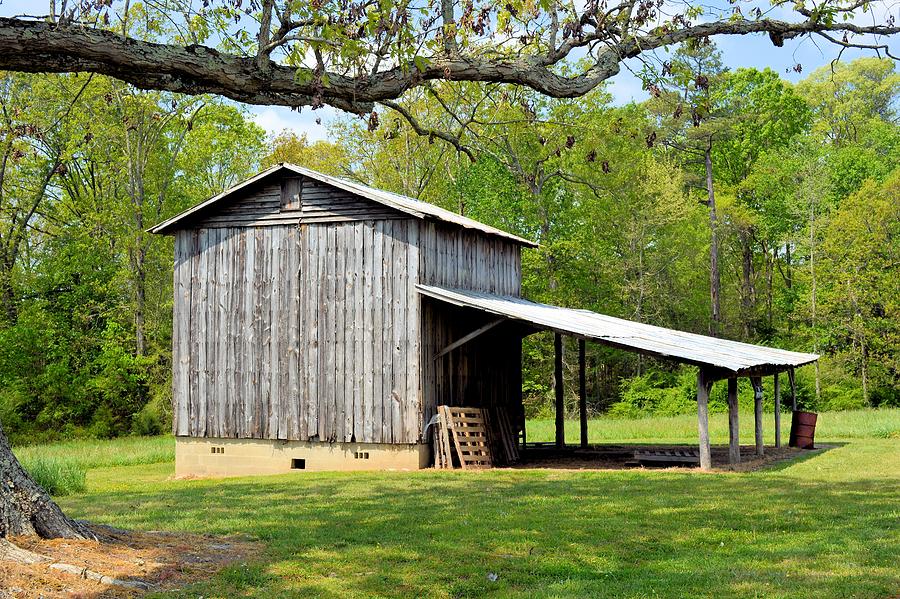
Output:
(855, 424)
(823, 526)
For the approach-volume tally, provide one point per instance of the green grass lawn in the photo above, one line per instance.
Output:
(824, 526)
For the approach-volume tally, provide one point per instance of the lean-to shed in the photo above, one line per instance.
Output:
(318, 323)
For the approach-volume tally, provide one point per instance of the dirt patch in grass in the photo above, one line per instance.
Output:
(153, 561)
(621, 457)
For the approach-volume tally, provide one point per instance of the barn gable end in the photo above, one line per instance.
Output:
(289, 200)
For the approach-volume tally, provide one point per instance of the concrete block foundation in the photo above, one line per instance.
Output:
(247, 457)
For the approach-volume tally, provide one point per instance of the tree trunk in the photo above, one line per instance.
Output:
(789, 277)
(714, 284)
(771, 257)
(140, 292)
(26, 509)
(748, 300)
(812, 277)
(7, 294)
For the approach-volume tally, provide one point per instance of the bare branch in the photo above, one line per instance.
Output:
(431, 133)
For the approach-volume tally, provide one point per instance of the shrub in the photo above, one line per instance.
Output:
(56, 476)
(103, 423)
(151, 419)
(886, 432)
(655, 394)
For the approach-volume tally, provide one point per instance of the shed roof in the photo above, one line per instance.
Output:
(732, 356)
(413, 207)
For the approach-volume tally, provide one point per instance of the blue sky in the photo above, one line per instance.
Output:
(738, 51)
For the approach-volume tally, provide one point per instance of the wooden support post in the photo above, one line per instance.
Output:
(756, 381)
(560, 405)
(582, 394)
(734, 443)
(703, 385)
(793, 383)
(777, 411)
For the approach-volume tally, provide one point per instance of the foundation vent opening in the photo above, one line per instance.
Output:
(217, 450)
(298, 464)
(361, 455)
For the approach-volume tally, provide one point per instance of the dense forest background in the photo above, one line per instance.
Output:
(794, 189)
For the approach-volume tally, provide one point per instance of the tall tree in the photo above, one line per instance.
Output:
(764, 114)
(860, 284)
(35, 141)
(90, 163)
(692, 120)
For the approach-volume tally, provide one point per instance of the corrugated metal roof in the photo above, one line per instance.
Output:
(415, 208)
(690, 348)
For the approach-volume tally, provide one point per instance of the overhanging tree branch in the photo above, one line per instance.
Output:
(399, 43)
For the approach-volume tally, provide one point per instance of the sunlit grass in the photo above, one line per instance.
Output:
(56, 475)
(823, 526)
(856, 424)
(90, 453)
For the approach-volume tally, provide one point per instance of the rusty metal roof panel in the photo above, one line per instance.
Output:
(691, 348)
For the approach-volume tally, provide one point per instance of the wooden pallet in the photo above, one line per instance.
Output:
(443, 450)
(468, 432)
(667, 456)
(473, 438)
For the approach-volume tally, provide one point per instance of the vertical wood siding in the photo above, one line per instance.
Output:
(359, 330)
(316, 331)
(236, 334)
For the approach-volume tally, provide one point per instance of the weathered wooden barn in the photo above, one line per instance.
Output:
(318, 323)
(300, 338)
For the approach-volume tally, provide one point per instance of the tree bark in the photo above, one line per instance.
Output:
(26, 509)
(10, 307)
(771, 257)
(748, 295)
(714, 279)
(812, 277)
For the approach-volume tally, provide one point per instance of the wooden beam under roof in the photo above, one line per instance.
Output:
(465, 339)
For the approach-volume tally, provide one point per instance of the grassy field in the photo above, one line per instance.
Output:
(824, 526)
(858, 424)
(87, 454)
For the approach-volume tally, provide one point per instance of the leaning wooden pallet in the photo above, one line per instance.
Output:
(466, 428)
(443, 457)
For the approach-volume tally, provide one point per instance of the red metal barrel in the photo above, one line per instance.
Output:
(803, 429)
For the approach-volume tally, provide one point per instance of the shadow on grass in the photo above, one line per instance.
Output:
(802, 456)
(542, 533)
